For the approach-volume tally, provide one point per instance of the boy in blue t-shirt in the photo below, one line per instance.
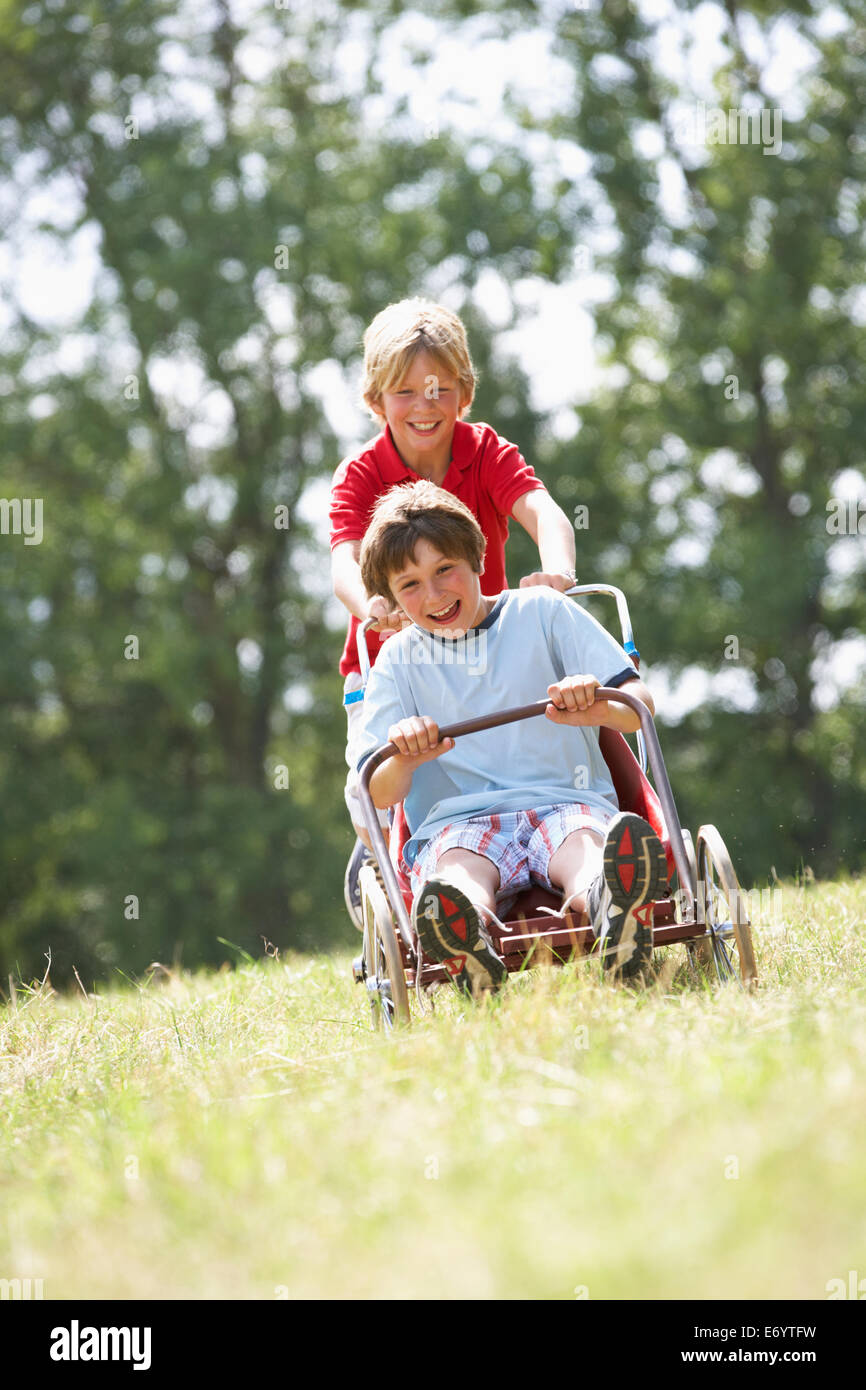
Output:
(488, 814)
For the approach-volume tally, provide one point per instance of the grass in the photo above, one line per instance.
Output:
(245, 1134)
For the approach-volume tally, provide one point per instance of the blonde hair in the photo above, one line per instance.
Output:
(402, 330)
(411, 513)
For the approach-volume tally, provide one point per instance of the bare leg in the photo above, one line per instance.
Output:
(451, 932)
(363, 835)
(575, 864)
(472, 873)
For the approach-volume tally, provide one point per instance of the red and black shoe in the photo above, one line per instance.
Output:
(451, 932)
(620, 900)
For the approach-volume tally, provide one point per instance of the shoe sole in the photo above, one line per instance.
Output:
(635, 868)
(449, 932)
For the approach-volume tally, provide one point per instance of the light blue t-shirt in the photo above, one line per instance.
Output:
(531, 638)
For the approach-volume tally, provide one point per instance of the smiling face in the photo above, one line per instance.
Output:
(439, 594)
(422, 411)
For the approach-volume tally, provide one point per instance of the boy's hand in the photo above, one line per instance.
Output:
(388, 619)
(572, 701)
(562, 582)
(418, 738)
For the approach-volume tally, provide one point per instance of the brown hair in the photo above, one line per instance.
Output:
(411, 513)
(402, 330)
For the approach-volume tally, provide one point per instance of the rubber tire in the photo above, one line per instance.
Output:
(382, 958)
(716, 869)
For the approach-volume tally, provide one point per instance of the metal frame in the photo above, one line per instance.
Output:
(492, 721)
(627, 641)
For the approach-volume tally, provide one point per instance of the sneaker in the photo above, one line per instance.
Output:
(351, 887)
(620, 900)
(451, 932)
(351, 881)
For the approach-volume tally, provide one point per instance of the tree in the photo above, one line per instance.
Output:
(710, 461)
(170, 666)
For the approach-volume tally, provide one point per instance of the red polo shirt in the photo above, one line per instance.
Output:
(486, 472)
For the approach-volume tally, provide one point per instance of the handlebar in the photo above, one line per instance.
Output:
(622, 613)
(363, 653)
(509, 716)
(627, 640)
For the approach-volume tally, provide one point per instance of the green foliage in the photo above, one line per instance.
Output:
(241, 244)
(708, 466)
(248, 229)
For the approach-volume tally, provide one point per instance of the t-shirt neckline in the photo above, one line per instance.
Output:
(485, 623)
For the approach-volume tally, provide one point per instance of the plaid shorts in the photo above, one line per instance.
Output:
(520, 843)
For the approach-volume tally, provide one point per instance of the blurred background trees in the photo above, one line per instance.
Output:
(254, 184)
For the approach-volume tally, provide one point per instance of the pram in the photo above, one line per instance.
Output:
(704, 909)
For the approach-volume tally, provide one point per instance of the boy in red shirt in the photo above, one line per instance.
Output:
(419, 381)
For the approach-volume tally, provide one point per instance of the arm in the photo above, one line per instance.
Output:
(418, 741)
(553, 533)
(349, 589)
(572, 701)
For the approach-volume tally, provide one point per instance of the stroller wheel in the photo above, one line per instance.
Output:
(727, 949)
(385, 976)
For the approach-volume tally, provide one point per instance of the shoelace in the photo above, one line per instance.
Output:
(558, 911)
(488, 912)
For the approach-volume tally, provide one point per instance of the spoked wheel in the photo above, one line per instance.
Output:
(693, 865)
(727, 950)
(384, 975)
(700, 952)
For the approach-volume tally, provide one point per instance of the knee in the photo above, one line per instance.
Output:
(472, 870)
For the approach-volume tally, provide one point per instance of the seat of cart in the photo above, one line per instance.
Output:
(534, 919)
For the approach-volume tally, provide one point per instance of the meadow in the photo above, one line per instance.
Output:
(244, 1134)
